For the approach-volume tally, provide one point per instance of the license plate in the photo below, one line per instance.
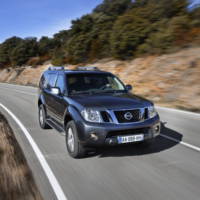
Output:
(130, 138)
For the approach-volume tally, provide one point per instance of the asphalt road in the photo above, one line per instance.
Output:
(169, 170)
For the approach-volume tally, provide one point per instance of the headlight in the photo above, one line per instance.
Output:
(152, 111)
(91, 115)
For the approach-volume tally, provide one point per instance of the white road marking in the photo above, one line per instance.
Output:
(23, 92)
(181, 142)
(180, 111)
(49, 173)
(33, 94)
(18, 85)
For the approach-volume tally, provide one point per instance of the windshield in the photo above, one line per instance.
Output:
(93, 83)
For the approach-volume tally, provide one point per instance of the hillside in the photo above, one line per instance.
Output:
(171, 79)
(118, 29)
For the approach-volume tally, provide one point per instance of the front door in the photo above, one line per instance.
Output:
(60, 104)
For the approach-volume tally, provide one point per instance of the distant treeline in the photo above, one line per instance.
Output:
(122, 29)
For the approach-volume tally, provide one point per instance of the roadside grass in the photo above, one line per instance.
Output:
(16, 179)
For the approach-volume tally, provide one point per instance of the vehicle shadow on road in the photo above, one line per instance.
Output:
(160, 144)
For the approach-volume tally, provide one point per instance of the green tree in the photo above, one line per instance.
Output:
(195, 17)
(146, 28)
(61, 38)
(82, 25)
(78, 48)
(100, 34)
(46, 46)
(78, 45)
(58, 58)
(129, 31)
(24, 51)
(6, 49)
(113, 7)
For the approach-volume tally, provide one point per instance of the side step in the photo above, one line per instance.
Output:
(55, 125)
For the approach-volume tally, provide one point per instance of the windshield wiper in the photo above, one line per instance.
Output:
(97, 92)
(109, 91)
(78, 93)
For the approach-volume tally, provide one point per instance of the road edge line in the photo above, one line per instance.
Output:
(178, 110)
(181, 142)
(49, 173)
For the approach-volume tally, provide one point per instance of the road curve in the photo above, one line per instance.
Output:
(169, 170)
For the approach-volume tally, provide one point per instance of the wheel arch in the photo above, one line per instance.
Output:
(41, 100)
(71, 113)
(67, 117)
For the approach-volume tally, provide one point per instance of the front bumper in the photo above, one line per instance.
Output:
(95, 134)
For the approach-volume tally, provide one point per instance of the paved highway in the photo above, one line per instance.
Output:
(170, 170)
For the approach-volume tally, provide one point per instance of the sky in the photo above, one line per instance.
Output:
(36, 18)
(194, 2)
(27, 18)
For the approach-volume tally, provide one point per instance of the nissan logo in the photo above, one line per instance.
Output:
(128, 116)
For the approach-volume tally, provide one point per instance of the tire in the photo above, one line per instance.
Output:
(74, 147)
(42, 117)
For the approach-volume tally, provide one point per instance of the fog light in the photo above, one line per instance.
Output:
(156, 129)
(94, 136)
(111, 141)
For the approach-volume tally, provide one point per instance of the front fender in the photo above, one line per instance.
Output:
(41, 100)
(72, 113)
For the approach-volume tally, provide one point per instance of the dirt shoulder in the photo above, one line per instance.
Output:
(16, 179)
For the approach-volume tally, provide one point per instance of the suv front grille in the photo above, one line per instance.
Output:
(124, 116)
(105, 116)
(127, 116)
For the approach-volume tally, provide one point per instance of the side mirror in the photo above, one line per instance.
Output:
(129, 87)
(55, 91)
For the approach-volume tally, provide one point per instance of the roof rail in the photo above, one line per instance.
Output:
(88, 68)
(54, 68)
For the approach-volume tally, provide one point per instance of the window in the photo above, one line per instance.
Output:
(52, 80)
(60, 83)
(41, 84)
(92, 82)
(115, 83)
(44, 81)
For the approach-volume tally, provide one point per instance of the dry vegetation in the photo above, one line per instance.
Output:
(16, 180)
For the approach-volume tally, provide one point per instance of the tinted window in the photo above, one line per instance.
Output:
(41, 84)
(60, 83)
(52, 80)
(44, 81)
(79, 83)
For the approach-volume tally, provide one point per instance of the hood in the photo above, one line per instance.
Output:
(111, 101)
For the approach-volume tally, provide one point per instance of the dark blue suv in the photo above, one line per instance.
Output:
(94, 108)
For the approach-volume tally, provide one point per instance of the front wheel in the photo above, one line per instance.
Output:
(42, 117)
(74, 147)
